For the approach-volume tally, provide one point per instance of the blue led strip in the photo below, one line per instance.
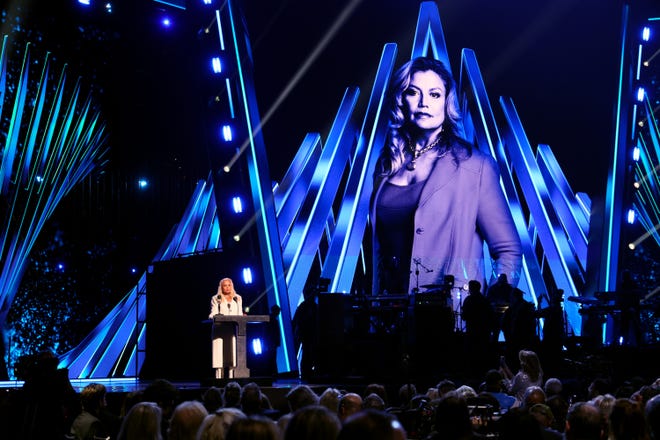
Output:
(308, 228)
(557, 251)
(260, 182)
(483, 130)
(76, 145)
(614, 191)
(345, 245)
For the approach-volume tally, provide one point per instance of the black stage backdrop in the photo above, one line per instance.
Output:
(178, 342)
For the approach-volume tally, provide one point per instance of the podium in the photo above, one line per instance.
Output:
(240, 322)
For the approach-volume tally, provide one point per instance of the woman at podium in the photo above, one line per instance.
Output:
(225, 302)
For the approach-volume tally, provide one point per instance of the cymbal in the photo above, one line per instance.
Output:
(432, 286)
(583, 299)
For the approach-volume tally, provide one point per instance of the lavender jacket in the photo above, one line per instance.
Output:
(459, 209)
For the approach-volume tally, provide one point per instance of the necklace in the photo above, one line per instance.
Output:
(410, 166)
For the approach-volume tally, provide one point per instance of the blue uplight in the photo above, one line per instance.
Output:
(646, 33)
(216, 65)
(143, 183)
(247, 275)
(85, 2)
(636, 153)
(227, 133)
(640, 94)
(257, 347)
(631, 216)
(237, 205)
(166, 22)
(207, 2)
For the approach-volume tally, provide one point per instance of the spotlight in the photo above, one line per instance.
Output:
(237, 237)
(640, 94)
(646, 33)
(85, 2)
(631, 246)
(143, 183)
(237, 205)
(108, 8)
(636, 154)
(637, 185)
(227, 133)
(226, 169)
(207, 2)
(247, 275)
(166, 22)
(216, 65)
(133, 270)
(631, 216)
(257, 346)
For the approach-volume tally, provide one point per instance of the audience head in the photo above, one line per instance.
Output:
(164, 393)
(186, 420)
(583, 422)
(232, 395)
(406, 393)
(543, 414)
(373, 401)
(598, 387)
(251, 399)
(92, 397)
(466, 392)
(253, 428)
(559, 407)
(301, 396)
(627, 420)
(371, 424)
(553, 386)
(378, 389)
(533, 395)
(530, 364)
(330, 399)
(212, 399)
(445, 386)
(312, 422)
(494, 381)
(215, 425)
(349, 404)
(143, 422)
(452, 416)
(518, 423)
(652, 412)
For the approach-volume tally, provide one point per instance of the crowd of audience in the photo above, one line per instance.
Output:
(502, 404)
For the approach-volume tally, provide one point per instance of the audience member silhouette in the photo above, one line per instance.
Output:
(627, 421)
(559, 407)
(519, 424)
(583, 422)
(253, 428)
(215, 425)
(314, 422)
(89, 424)
(300, 396)
(212, 399)
(494, 385)
(372, 425)
(378, 389)
(186, 419)
(478, 314)
(142, 422)
(530, 373)
(373, 401)
(652, 413)
(452, 419)
(349, 404)
(546, 419)
(330, 399)
(165, 394)
(231, 395)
